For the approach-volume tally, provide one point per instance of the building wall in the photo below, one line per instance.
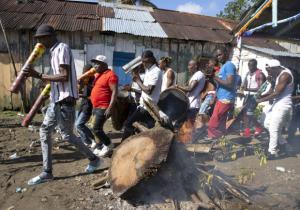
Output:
(87, 45)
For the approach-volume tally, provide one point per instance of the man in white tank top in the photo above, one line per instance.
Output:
(169, 76)
(253, 81)
(280, 113)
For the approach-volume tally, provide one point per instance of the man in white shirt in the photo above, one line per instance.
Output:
(194, 88)
(151, 87)
(61, 110)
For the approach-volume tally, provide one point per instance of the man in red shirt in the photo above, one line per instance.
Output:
(103, 96)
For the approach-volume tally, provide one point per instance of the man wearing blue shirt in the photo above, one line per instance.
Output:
(226, 92)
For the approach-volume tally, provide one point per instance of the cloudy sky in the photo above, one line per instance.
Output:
(205, 7)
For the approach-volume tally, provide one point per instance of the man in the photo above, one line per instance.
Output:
(169, 75)
(194, 88)
(61, 110)
(280, 113)
(86, 107)
(151, 87)
(253, 81)
(226, 92)
(103, 96)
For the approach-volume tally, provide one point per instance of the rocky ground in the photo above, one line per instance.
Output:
(72, 188)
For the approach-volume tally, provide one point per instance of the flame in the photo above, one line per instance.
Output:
(186, 131)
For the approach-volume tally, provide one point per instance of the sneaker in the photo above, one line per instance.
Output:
(43, 177)
(247, 133)
(272, 156)
(258, 131)
(93, 165)
(104, 151)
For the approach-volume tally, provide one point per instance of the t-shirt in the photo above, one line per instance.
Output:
(60, 54)
(194, 96)
(86, 104)
(224, 93)
(153, 77)
(101, 92)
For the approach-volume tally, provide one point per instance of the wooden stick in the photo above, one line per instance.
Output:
(238, 193)
(197, 201)
(101, 180)
(140, 127)
(199, 148)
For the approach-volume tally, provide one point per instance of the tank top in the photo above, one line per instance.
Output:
(284, 99)
(164, 84)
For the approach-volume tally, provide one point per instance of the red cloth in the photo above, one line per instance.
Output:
(217, 123)
(101, 92)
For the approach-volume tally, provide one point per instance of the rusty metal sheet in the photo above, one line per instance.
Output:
(196, 33)
(71, 23)
(13, 20)
(262, 42)
(187, 19)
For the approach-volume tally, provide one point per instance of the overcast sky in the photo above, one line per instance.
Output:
(204, 7)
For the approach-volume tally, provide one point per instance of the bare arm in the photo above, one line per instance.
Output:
(171, 77)
(62, 77)
(228, 83)
(114, 90)
(147, 89)
(188, 88)
(284, 80)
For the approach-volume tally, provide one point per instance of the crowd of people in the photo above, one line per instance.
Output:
(211, 91)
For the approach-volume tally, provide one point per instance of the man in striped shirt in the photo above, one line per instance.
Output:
(61, 110)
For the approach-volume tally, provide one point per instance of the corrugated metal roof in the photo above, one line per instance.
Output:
(73, 23)
(125, 6)
(133, 27)
(262, 42)
(273, 52)
(129, 14)
(187, 19)
(196, 33)
(13, 20)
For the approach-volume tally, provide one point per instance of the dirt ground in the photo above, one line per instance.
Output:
(72, 188)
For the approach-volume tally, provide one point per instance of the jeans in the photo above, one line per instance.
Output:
(84, 132)
(98, 120)
(140, 115)
(63, 116)
(276, 119)
(206, 104)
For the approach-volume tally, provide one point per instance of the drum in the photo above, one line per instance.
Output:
(120, 109)
(174, 103)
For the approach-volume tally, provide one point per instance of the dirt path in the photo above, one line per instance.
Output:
(72, 189)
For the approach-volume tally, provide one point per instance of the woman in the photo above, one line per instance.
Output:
(169, 75)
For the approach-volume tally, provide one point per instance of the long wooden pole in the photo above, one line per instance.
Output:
(13, 63)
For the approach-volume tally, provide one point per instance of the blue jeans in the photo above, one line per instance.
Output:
(206, 104)
(84, 132)
(98, 120)
(63, 116)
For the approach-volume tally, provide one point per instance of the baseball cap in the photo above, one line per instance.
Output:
(273, 63)
(99, 58)
(44, 30)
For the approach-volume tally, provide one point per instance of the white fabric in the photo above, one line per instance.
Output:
(194, 95)
(273, 63)
(134, 85)
(285, 97)
(276, 119)
(251, 81)
(60, 54)
(165, 80)
(153, 77)
(101, 58)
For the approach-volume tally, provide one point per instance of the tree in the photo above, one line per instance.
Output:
(235, 9)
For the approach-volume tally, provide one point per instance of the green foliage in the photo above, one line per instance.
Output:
(235, 9)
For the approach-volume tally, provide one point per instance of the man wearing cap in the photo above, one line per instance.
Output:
(103, 97)
(61, 110)
(280, 112)
(151, 87)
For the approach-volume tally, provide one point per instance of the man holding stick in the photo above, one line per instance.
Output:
(61, 110)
